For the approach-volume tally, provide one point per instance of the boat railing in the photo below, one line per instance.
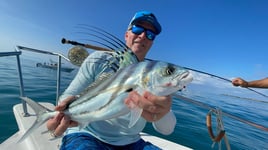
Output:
(17, 53)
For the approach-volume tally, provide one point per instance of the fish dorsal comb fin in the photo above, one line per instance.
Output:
(125, 57)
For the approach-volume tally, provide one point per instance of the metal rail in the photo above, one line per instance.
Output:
(17, 53)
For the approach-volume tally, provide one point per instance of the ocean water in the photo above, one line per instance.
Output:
(191, 130)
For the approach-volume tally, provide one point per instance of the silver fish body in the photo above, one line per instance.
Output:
(106, 100)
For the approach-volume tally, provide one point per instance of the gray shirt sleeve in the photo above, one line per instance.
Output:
(92, 67)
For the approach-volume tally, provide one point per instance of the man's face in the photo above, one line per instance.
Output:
(139, 44)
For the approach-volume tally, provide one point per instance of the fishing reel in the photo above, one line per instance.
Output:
(77, 55)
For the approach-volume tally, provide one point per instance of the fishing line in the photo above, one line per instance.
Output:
(224, 80)
(203, 105)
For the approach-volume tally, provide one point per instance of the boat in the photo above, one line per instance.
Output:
(41, 139)
(54, 66)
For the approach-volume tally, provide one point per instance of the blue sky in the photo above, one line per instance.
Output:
(228, 38)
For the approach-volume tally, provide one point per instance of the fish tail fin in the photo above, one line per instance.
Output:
(135, 115)
(41, 116)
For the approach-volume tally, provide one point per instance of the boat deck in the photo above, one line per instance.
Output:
(40, 139)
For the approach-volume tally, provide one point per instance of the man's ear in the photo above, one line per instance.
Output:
(126, 35)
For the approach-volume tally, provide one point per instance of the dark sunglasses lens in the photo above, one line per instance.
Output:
(150, 35)
(137, 30)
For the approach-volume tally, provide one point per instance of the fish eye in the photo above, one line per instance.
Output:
(170, 70)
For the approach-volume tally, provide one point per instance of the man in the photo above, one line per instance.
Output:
(262, 83)
(114, 133)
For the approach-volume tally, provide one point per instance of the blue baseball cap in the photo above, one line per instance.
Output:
(147, 17)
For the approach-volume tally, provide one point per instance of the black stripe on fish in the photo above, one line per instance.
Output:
(129, 90)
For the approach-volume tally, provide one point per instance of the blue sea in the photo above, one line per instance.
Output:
(191, 130)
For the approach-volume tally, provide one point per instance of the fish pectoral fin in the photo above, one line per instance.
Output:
(135, 114)
(82, 125)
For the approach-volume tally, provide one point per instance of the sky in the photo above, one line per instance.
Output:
(228, 38)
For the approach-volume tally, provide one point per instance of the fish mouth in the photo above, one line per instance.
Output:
(183, 79)
(180, 80)
(184, 76)
(175, 84)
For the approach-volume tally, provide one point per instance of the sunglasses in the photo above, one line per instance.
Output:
(138, 30)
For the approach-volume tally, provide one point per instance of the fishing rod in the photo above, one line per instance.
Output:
(203, 105)
(64, 41)
(224, 80)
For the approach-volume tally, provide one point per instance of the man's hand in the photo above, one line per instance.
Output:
(154, 107)
(240, 82)
(58, 124)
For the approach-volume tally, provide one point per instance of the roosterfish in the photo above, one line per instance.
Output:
(106, 100)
